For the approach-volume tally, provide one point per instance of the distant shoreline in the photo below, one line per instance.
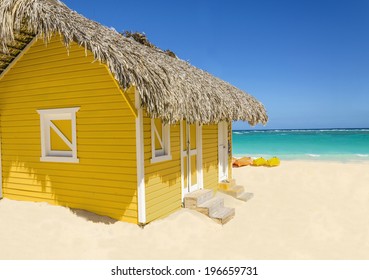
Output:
(334, 144)
(313, 158)
(304, 129)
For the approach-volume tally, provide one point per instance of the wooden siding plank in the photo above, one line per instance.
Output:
(59, 83)
(35, 185)
(87, 149)
(81, 128)
(77, 89)
(58, 192)
(127, 215)
(100, 102)
(163, 193)
(162, 211)
(99, 182)
(55, 94)
(128, 155)
(158, 181)
(157, 203)
(73, 199)
(92, 111)
(76, 170)
(96, 167)
(42, 77)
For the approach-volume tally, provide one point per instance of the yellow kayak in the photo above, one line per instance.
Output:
(259, 162)
(274, 161)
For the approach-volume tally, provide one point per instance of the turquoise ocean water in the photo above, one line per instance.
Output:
(306, 144)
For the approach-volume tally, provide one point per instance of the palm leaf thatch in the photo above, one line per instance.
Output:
(141, 38)
(170, 88)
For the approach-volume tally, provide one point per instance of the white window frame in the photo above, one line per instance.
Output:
(46, 116)
(162, 154)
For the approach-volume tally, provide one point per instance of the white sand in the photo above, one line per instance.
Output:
(300, 210)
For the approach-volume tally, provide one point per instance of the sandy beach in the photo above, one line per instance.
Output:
(300, 210)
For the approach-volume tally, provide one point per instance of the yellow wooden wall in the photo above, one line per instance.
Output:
(105, 180)
(210, 156)
(162, 179)
(230, 153)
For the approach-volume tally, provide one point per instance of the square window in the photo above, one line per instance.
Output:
(58, 135)
(160, 141)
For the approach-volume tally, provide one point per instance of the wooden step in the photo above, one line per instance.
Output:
(192, 200)
(246, 196)
(204, 202)
(236, 191)
(226, 184)
(223, 215)
(211, 206)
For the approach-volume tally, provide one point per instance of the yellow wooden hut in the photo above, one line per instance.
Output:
(93, 120)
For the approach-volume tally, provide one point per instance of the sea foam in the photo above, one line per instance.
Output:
(313, 155)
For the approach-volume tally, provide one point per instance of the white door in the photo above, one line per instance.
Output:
(191, 157)
(223, 150)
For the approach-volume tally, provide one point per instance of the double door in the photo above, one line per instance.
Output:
(223, 151)
(191, 157)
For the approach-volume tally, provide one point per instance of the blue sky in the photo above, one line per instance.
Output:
(306, 61)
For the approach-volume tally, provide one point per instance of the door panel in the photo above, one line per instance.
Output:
(184, 136)
(193, 136)
(223, 150)
(185, 174)
(193, 170)
(190, 160)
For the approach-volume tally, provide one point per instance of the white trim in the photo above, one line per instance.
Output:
(225, 135)
(46, 118)
(74, 133)
(59, 159)
(222, 151)
(152, 139)
(186, 156)
(43, 136)
(184, 160)
(163, 154)
(166, 134)
(161, 158)
(193, 152)
(182, 157)
(141, 194)
(200, 179)
(59, 111)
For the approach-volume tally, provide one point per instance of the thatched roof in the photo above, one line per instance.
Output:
(170, 88)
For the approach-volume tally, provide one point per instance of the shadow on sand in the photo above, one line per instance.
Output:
(95, 218)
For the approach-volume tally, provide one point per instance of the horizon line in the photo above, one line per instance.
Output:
(334, 128)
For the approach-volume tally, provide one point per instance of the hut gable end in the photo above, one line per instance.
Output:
(47, 78)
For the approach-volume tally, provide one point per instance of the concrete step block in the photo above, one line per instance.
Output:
(192, 200)
(226, 184)
(246, 196)
(211, 206)
(223, 215)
